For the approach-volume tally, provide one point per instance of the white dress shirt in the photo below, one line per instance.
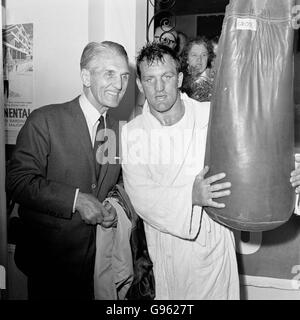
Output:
(92, 116)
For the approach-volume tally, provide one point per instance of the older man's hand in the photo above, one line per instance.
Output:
(90, 208)
(110, 217)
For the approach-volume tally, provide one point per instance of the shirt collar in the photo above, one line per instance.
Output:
(91, 114)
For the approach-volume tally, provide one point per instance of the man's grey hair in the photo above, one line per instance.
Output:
(94, 49)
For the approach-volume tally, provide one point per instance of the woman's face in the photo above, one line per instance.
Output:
(198, 58)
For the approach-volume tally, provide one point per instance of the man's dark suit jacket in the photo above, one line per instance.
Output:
(53, 157)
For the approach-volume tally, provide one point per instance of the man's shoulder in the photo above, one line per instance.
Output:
(134, 123)
(202, 107)
(54, 110)
(198, 106)
(200, 110)
(56, 107)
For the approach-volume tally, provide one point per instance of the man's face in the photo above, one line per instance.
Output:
(160, 82)
(107, 80)
(198, 58)
(165, 36)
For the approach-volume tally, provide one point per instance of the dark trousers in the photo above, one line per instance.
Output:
(60, 288)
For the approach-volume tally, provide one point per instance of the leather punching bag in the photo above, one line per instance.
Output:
(251, 128)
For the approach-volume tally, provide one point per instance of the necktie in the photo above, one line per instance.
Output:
(99, 140)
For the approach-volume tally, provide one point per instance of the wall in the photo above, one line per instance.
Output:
(96, 13)
(195, 25)
(122, 28)
(60, 31)
(187, 24)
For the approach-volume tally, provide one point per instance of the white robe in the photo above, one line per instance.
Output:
(193, 256)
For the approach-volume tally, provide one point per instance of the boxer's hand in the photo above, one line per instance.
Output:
(205, 190)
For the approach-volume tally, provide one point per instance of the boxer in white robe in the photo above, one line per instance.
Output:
(163, 151)
(163, 159)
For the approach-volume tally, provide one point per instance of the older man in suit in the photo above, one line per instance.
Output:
(58, 184)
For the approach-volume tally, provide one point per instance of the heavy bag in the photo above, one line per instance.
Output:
(251, 126)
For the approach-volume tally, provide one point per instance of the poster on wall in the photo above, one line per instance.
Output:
(17, 77)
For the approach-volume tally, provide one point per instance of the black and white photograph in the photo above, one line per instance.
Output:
(150, 153)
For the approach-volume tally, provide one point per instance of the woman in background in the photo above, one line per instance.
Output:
(196, 60)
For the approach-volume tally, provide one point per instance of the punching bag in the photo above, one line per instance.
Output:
(251, 127)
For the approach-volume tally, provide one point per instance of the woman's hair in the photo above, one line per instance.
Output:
(199, 40)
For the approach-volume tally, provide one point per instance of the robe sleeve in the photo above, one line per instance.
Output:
(166, 208)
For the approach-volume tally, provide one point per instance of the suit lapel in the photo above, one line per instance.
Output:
(81, 132)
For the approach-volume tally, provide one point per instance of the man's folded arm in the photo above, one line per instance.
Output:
(166, 208)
